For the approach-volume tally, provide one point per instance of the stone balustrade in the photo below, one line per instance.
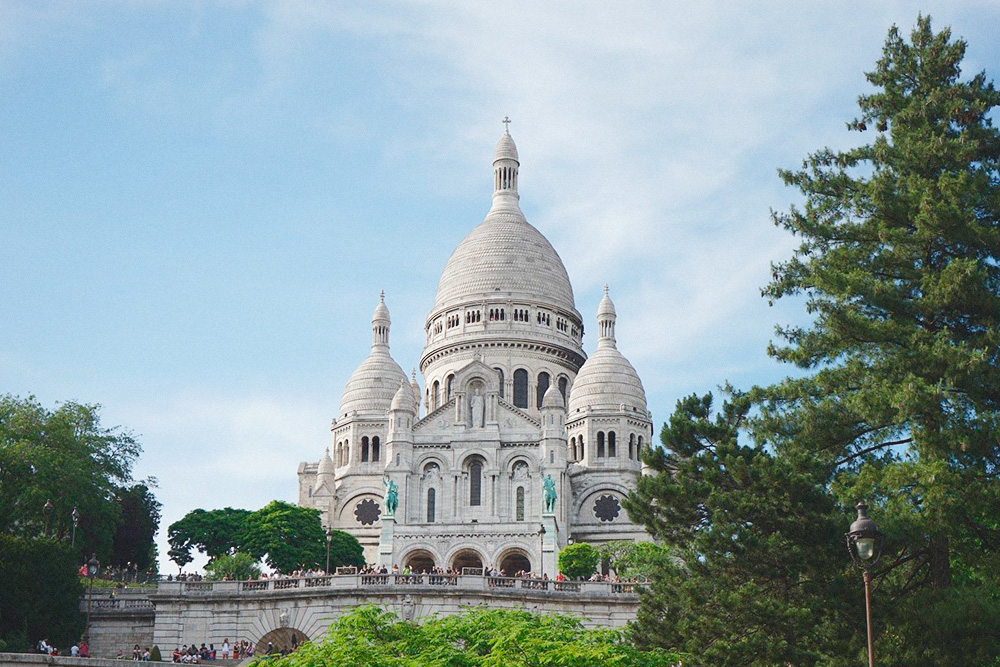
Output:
(362, 582)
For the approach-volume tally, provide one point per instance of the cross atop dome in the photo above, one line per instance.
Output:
(506, 125)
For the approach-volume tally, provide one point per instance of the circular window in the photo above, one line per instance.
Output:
(367, 512)
(607, 508)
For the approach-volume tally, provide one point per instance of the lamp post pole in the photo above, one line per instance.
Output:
(76, 521)
(329, 537)
(47, 511)
(93, 565)
(864, 542)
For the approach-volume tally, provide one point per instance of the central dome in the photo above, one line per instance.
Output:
(505, 256)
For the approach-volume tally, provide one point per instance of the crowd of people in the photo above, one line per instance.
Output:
(194, 654)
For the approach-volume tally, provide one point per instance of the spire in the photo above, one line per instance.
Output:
(415, 387)
(380, 323)
(505, 166)
(606, 321)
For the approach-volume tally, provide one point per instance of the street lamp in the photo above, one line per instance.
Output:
(864, 542)
(329, 537)
(47, 511)
(76, 521)
(93, 565)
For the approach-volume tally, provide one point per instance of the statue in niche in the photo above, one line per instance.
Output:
(549, 485)
(476, 406)
(391, 496)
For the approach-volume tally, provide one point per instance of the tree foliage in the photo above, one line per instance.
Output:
(578, 560)
(140, 518)
(345, 550)
(40, 595)
(238, 566)
(66, 456)
(896, 401)
(371, 637)
(289, 537)
(212, 532)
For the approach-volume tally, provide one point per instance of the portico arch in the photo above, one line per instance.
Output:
(513, 561)
(419, 561)
(281, 639)
(466, 558)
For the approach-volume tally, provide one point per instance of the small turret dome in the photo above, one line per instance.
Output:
(553, 398)
(326, 466)
(506, 150)
(403, 399)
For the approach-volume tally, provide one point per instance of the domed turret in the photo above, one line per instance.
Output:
(326, 466)
(403, 399)
(607, 380)
(553, 398)
(373, 384)
(415, 386)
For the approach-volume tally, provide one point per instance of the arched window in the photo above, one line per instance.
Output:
(552, 456)
(476, 484)
(376, 447)
(572, 449)
(580, 450)
(600, 444)
(638, 451)
(339, 454)
(431, 498)
(521, 388)
(451, 382)
(631, 445)
(563, 382)
(520, 504)
(436, 394)
(364, 449)
(612, 446)
(347, 452)
(500, 373)
(543, 386)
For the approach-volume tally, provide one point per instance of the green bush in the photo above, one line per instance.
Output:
(578, 560)
(154, 655)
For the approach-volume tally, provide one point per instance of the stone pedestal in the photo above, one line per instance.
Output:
(385, 540)
(550, 545)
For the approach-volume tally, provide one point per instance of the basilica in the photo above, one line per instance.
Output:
(518, 443)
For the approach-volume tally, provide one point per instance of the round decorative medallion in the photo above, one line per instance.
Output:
(607, 508)
(367, 512)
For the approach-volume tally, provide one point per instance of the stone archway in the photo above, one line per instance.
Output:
(281, 640)
(466, 561)
(419, 561)
(514, 561)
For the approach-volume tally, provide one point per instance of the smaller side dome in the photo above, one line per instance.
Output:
(606, 308)
(326, 466)
(553, 398)
(372, 385)
(403, 399)
(506, 150)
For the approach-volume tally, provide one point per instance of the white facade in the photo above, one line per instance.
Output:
(509, 398)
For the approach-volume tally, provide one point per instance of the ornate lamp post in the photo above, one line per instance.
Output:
(76, 521)
(47, 511)
(93, 565)
(864, 542)
(329, 537)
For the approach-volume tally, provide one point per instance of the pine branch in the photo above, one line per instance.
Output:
(866, 450)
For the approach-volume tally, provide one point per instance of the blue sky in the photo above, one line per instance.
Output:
(199, 202)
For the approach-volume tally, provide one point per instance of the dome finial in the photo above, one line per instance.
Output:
(506, 125)
(380, 322)
(381, 294)
(606, 320)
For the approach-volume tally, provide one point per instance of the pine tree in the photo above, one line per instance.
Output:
(897, 402)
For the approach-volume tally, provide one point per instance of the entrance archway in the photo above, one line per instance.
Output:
(281, 640)
(419, 561)
(467, 561)
(515, 561)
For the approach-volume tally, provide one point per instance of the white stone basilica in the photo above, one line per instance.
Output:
(510, 399)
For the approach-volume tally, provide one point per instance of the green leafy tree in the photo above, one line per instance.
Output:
(212, 532)
(345, 550)
(371, 637)
(140, 518)
(633, 559)
(579, 560)
(66, 456)
(40, 595)
(239, 566)
(289, 537)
